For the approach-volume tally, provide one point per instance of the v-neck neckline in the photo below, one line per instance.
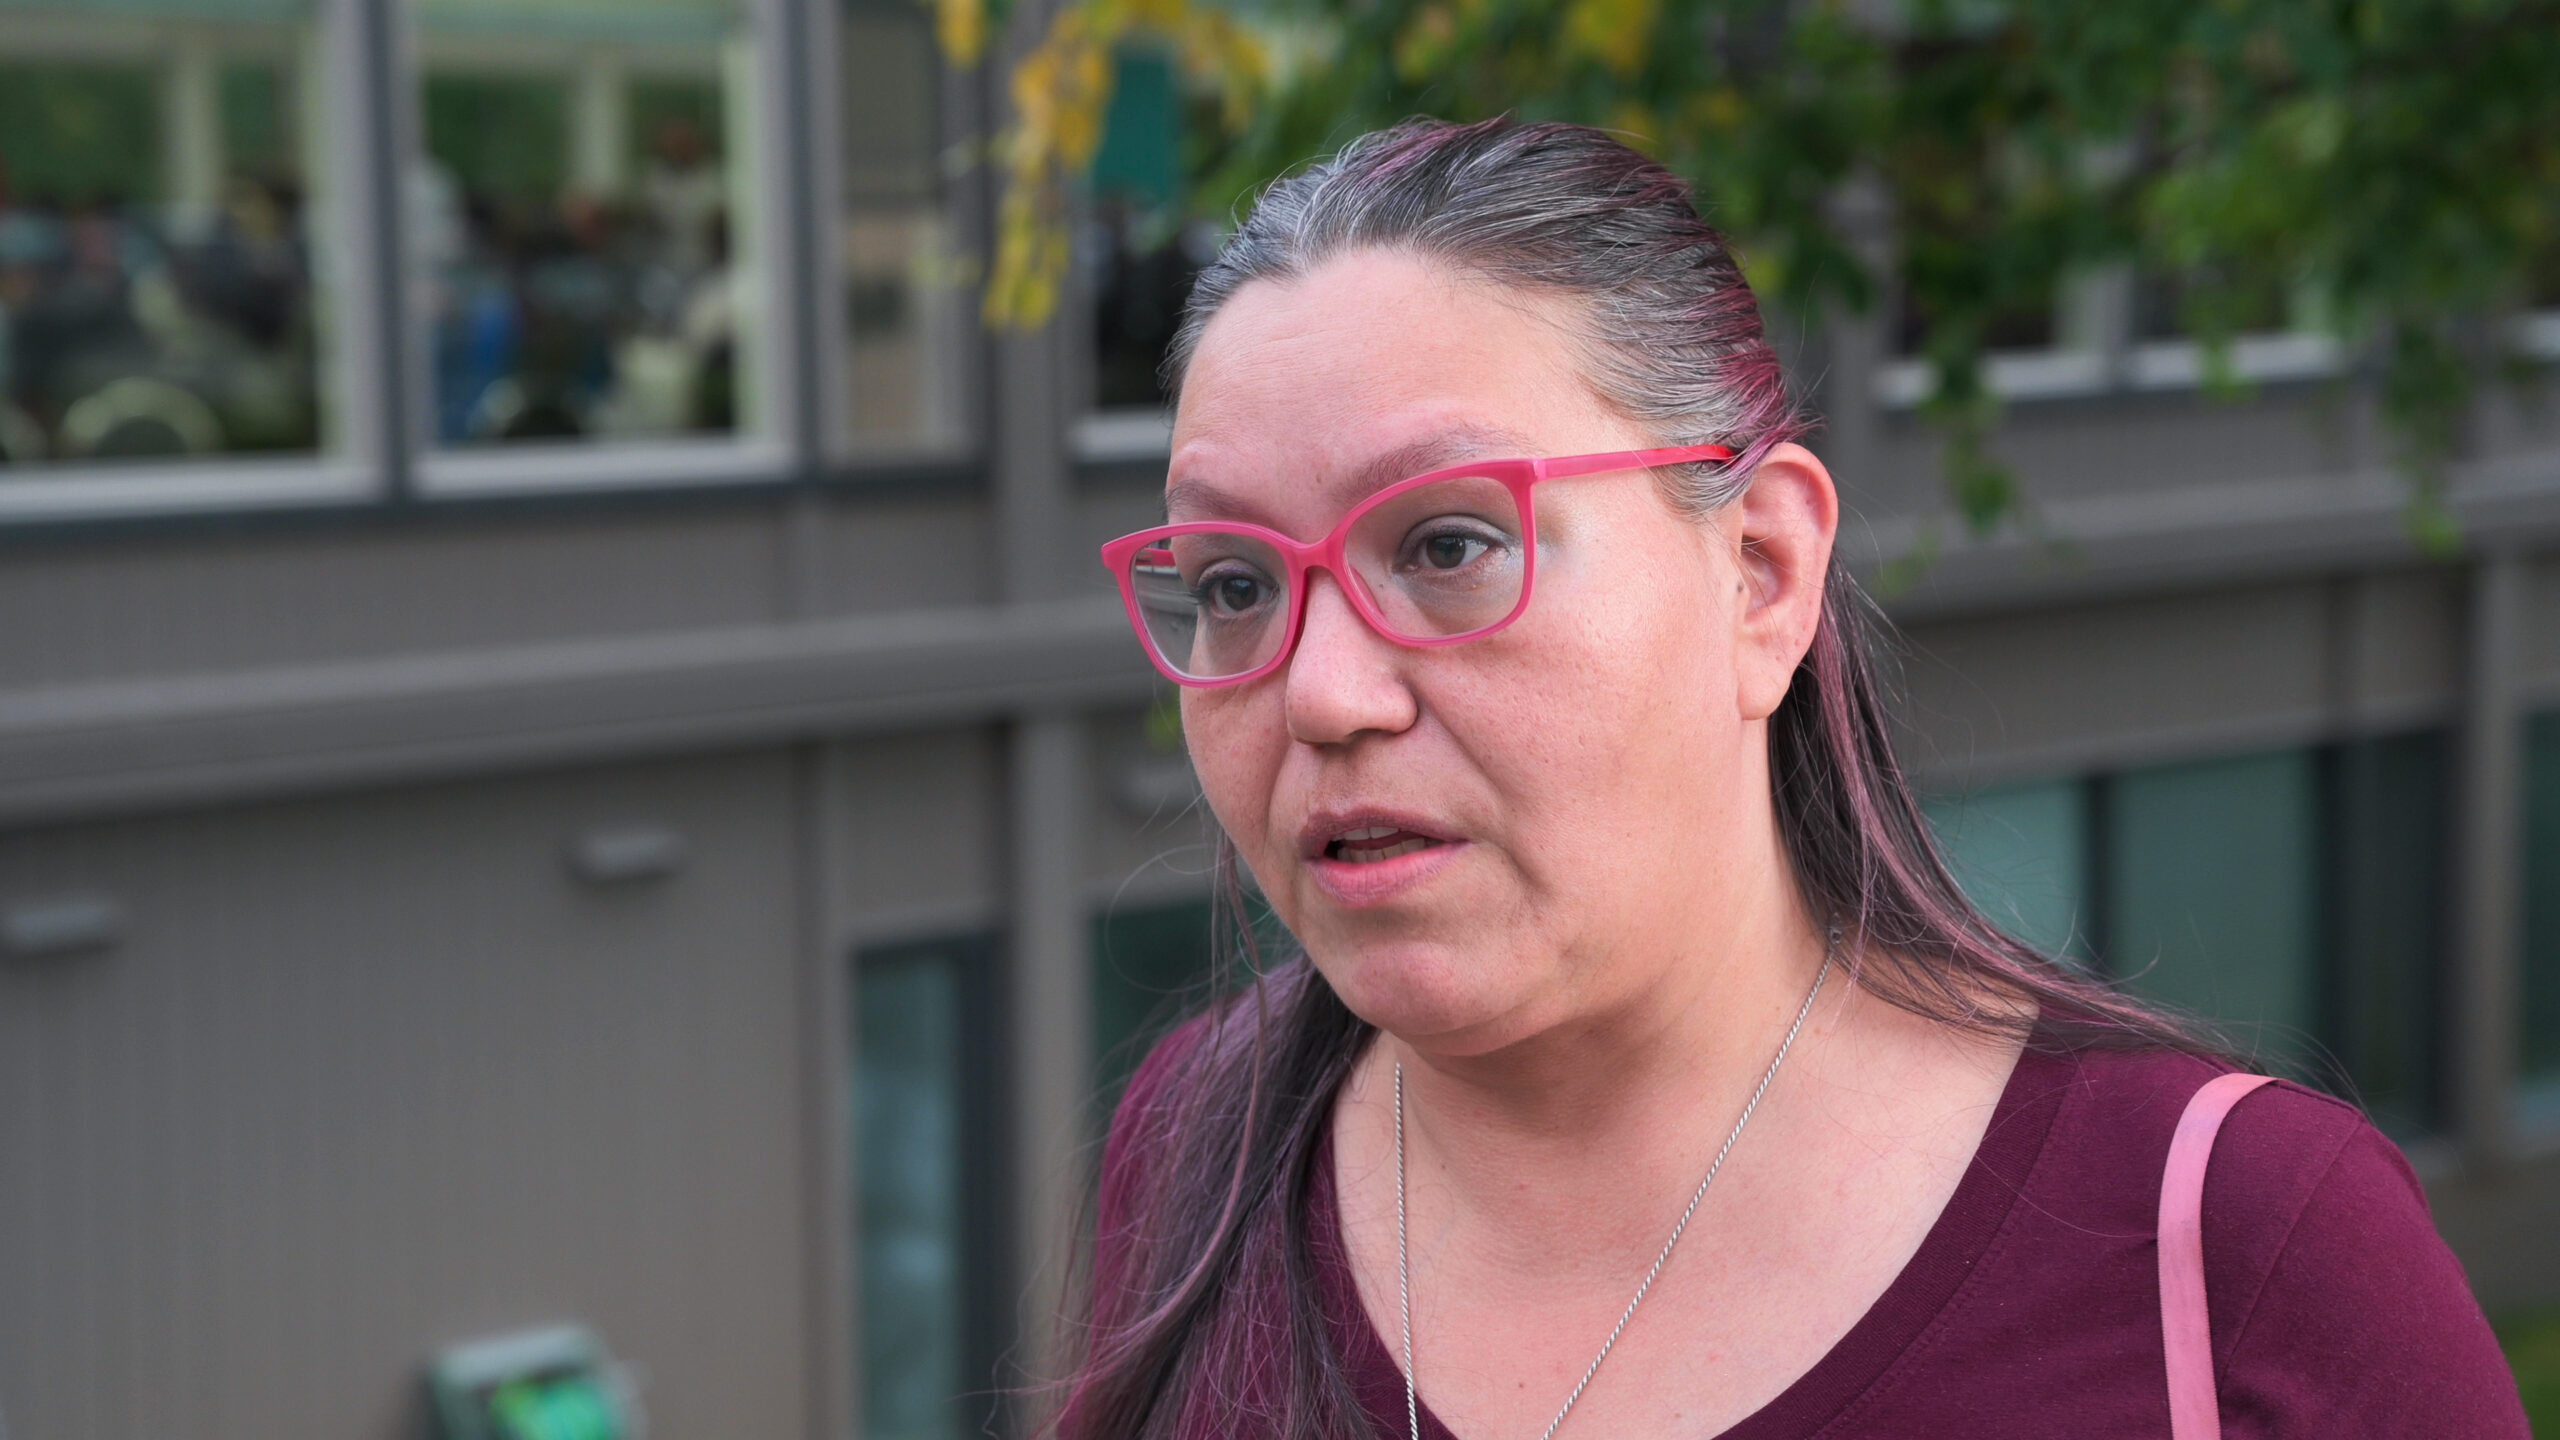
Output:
(1931, 1281)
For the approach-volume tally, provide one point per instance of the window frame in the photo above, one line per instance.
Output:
(771, 451)
(960, 125)
(349, 466)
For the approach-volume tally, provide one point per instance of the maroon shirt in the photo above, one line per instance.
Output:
(2032, 1308)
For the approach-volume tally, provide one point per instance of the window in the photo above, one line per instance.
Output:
(2541, 998)
(929, 1226)
(1146, 963)
(2295, 897)
(2212, 876)
(587, 224)
(2021, 851)
(1140, 249)
(160, 205)
(909, 300)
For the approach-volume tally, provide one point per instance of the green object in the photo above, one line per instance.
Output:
(80, 133)
(554, 1383)
(2533, 1348)
(501, 136)
(1141, 155)
(257, 121)
(564, 1407)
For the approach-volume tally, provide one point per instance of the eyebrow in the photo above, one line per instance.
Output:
(1205, 500)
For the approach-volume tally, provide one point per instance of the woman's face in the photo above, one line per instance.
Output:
(1481, 842)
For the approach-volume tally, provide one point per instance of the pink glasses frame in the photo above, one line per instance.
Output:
(1327, 554)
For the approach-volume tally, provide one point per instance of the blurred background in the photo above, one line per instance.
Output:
(582, 843)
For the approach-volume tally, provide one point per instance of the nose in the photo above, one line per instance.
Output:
(1345, 679)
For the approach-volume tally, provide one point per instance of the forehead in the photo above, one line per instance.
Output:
(1304, 392)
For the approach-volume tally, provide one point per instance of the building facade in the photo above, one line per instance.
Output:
(564, 757)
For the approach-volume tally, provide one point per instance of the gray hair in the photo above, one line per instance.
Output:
(1670, 333)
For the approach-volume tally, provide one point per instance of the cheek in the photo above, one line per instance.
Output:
(1237, 739)
(1612, 717)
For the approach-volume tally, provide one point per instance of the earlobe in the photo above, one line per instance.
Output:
(1788, 519)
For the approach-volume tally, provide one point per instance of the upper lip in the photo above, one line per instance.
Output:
(1326, 826)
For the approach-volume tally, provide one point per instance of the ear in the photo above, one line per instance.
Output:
(1784, 523)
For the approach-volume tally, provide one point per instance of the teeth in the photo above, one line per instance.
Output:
(1371, 857)
(1374, 832)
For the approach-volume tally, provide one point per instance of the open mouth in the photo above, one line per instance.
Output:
(1371, 844)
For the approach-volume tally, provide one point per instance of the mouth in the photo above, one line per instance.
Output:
(1362, 859)
(1371, 844)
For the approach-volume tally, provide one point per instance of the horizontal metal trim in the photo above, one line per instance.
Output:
(2112, 546)
(1991, 764)
(130, 746)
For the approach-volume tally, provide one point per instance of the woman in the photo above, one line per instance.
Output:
(1570, 775)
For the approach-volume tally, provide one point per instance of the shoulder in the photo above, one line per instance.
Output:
(2336, 1307)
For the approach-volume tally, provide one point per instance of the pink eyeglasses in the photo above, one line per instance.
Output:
(1435, 560)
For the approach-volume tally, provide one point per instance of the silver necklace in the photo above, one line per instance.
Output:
(1404, 1262)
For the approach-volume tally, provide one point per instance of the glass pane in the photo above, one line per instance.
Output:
(1145, 963)
(2387, 922)
(2212, 874)
(1144, 248)
(909, 309)
(585, 218)
(157, 224)
(2542, 913)
(909, 1105)
(2021, 853)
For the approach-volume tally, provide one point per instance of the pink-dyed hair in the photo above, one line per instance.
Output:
(1206, 1199)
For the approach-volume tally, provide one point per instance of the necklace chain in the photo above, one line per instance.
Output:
(1404, 1264)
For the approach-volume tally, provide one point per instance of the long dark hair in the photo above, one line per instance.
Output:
(1219, 1158)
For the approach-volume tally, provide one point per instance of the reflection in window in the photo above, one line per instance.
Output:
(2295, 897)
(156, 231)
(920, 1103)
(2541, 1007)
(584, 220)
(908, 308)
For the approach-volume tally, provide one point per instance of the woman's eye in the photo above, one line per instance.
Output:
(1449, 549)
(1231, 592)
(1448, 552)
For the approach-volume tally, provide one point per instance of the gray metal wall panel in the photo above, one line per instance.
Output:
(190, 603)
(375, 1074)
(116, 606)
(2058, 688)
(927, 810)
(907, 552)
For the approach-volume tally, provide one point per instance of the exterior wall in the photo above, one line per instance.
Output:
(362, 1066)
(372, 1074)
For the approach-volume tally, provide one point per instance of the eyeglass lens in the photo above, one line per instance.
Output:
(1435, 562)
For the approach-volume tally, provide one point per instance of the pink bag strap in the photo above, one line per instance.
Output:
(2186, 1329)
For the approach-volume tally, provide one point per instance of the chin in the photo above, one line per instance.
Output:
(1422, 991)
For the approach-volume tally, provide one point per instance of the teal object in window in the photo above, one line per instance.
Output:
(908, 1104)
(2021, 853)
(1141, 155)
(1145, 962)
(2213, 894)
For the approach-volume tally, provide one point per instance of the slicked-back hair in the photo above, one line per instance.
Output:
(1668, 332)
